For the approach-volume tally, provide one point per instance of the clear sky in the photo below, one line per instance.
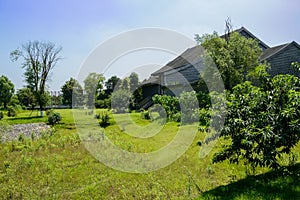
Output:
(80, 26)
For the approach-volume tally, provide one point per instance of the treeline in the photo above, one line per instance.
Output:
(95, 92)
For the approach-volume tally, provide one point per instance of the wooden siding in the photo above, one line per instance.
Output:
(281, 62)
(188, 74)
(246, 35)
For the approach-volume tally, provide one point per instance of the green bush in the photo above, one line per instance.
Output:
(11, 112)
(169, 103)
(104, 119)
(54, 118)
(1, 115)
(145, 115)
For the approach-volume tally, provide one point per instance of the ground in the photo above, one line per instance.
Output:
(58, 166)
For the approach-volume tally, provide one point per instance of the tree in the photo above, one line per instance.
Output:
(111, 83)
(135, 89)
(93, 86)
(120, 100)
(26, 97)
(134, 81)
(234, 56)
(7, 90)
(72, 89)
(39, 59)
(262, 122)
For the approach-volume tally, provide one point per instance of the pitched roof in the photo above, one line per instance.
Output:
(193, 54)
(190, 56)
(243, 31)
(151, 80)
(274, 50)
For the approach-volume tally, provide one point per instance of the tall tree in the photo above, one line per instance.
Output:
(93, 86)
(111, 83)
(7, 90)
(133, 81)
(234, 56)
(39, 59)
(72, 90)
(26, 97)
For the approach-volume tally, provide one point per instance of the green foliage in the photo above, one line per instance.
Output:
(145, 114)
(72, 90)
(6, 90)
(189, 105)
(93, 86)
(12, 112)
(120, 100)
(14, 102)
(57, 166)
(169, 103)
(204, 117)
(53, 117)
(262, 122)
(1, 115)
(104, 119)
(233, 57)
(296, 65)
(111, 83)
(26, 97)
(203, 99)
(105, 103)
(39, 59)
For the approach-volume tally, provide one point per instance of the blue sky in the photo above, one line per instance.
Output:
(80, 26)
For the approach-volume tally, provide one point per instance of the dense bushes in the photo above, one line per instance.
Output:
(1, 115)
(12, 112)
(169, 103)
(262, 122)
(103, 118)
(53, 117)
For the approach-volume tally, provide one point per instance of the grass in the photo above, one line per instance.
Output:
(58, 166)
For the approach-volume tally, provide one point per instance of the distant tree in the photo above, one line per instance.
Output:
(72, 89)
(26, 97)
(133, 81)
(120, 100)
(7, 90)
(111, 83)
(125, 84)
(93, 86)
(135, 89)
(39, 59)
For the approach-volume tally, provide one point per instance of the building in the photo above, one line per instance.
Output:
(183, 71)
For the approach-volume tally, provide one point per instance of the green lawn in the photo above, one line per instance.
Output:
(59, 167)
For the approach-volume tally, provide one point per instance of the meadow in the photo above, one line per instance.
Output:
(58, 166)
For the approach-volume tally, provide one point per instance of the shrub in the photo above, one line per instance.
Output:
(104, 119)
(169, 103)
(145, 115)
(54, 118)
(1, 115)
(189, 105)
(262, 122)
(11, 112)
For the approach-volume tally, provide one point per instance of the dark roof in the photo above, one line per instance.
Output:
(151, 80)
(194, 54)
(274, 50)
(271, 51)
(244, 30)
(190, 56)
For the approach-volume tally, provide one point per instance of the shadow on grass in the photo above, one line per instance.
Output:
(279, 184)
(24, 118)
